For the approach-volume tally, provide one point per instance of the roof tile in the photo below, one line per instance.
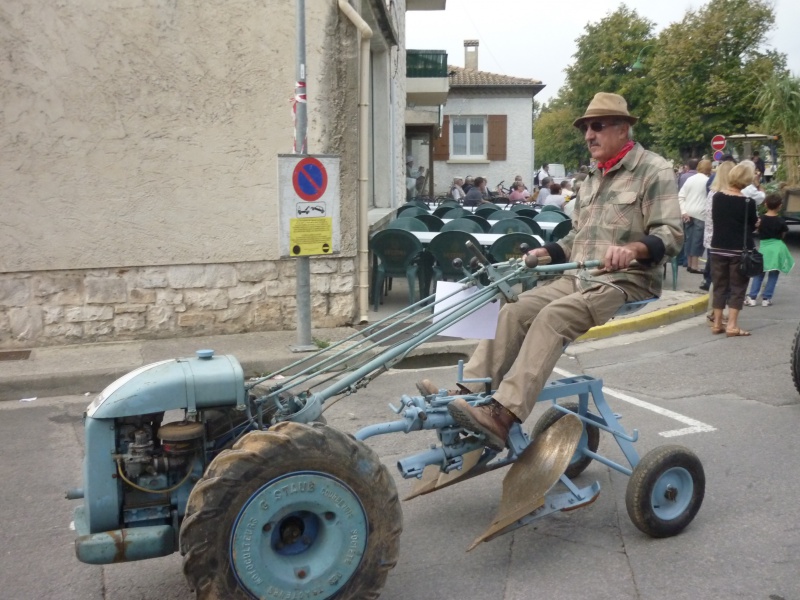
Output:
(459, 76)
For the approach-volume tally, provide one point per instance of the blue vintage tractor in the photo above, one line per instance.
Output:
(264, 500)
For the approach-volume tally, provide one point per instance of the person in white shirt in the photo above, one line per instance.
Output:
(555, 198)
(457, 192)
(692, 198)
(543, 173)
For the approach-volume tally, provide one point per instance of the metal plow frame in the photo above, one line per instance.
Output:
(350, 364)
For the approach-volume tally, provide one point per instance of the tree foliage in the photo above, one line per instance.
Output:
(779, 103)
(707, 70)
(557, 141)
(701, 77)
(603, 62)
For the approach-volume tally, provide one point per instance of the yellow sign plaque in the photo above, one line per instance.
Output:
(310, 236)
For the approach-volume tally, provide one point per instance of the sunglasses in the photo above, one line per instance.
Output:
(596, 126)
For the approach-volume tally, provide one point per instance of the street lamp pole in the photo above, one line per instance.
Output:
(639, 65)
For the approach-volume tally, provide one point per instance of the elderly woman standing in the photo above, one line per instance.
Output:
(729, 209)
(692, 197)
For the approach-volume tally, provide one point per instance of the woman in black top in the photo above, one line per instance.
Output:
(729, 208)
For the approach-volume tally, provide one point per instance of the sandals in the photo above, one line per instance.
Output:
(737, 333)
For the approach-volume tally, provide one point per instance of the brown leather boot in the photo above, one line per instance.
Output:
(427, 388)
(492, 419)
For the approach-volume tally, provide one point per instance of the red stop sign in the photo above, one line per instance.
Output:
(718, 142)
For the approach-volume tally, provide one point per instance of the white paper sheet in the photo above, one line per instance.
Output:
(480, 325)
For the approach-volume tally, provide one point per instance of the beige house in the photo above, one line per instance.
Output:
(487, 128)
(138, 186)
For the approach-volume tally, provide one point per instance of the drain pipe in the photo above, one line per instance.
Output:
(363, 160)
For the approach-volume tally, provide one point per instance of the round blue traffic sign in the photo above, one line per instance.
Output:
(310, 179)
(718, 155)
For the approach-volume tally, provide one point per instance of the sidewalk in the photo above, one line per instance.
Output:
(88, 368)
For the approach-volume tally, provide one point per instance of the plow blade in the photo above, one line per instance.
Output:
(532, 475)
(433, 479)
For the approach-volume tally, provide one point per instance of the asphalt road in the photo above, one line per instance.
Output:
(744, 543)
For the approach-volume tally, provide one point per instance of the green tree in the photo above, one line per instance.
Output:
(707, 69)
(557, 141)
(603, 60)
(779, 103)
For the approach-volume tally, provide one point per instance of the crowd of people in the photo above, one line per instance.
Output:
(633, 213)
(719, 213)
(721, 219)
(562, 193)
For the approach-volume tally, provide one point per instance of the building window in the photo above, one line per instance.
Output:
(469, 137)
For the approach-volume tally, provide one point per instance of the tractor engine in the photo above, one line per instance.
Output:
(154, 461)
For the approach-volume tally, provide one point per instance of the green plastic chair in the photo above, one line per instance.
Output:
(508, 246)
(519, 207)
(527, 212)
(463, 224)
(536, 229)
(444, 248)
(548, 207)
(408, 224)
(447, 201)
(398, 254)
(674, 264)
(510, 226)
(485, 226)
(411, 210)
(433, 222)
(487, 211)
(550, 216)
(444, 212)
(501, 215)
(560, 230)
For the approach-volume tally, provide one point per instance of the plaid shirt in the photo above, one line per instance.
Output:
(636, 199)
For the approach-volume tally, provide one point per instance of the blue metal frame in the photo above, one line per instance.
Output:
(209, 381)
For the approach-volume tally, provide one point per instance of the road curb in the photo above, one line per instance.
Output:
(651, 320)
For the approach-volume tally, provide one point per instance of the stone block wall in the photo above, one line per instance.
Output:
(99, 305)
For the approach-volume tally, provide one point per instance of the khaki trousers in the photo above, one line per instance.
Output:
(532, 333)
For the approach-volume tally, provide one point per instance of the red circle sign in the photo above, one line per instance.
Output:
(718, 142)
(310, 179)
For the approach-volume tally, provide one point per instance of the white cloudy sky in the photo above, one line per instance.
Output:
(536, 39)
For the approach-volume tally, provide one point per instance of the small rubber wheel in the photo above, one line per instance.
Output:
(796, 359)
(298, 511)
(665, 491)
(590, 438)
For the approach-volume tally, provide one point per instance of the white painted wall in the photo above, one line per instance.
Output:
(519, 151)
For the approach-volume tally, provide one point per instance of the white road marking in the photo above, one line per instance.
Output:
(694, 426)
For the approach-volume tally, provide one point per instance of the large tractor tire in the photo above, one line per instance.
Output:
(299, 511)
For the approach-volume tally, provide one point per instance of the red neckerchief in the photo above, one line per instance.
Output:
(605, 166)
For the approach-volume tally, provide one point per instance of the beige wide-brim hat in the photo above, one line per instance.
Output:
(607, 105)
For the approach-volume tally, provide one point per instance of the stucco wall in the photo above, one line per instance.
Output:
(139, 143)
(519, 147)
(145, 133)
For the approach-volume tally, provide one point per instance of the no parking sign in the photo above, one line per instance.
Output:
(309, 204)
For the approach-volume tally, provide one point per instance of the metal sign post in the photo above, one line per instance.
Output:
(303, 271)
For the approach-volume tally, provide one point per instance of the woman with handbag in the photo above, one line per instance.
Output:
(734, 217)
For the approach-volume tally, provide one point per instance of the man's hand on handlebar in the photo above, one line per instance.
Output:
(538, 252)
(536, 257)
(620, 257)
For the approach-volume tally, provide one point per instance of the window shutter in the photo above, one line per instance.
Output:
(498, 126)
(441, 145)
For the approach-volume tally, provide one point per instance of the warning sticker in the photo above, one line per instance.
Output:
(310, 235)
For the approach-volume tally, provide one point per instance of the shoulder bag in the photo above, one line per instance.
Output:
(752, 263)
